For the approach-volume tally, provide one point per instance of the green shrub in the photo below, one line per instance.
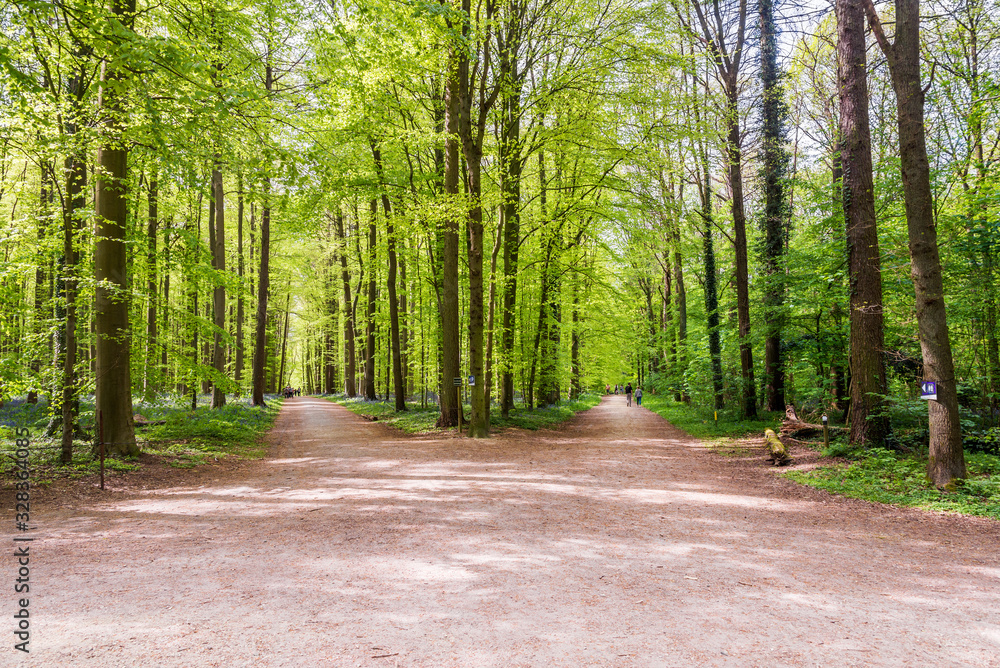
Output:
(885, 476)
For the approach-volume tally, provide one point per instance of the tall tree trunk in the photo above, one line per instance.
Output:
(166, 302)
(479, 420)
(326, 372)
(491, 316)
(727, 56)
(264, 278)
(680, 302)
(240, 307)
(734, 157)
(869, 421)
(946, 459)
(397, 363)
(575, 384)
(370, 369)
(839, 371)
(263, 288)
(41, 295)
(281, 383)
(511, 165)
(114, 373)
(449, 251)
(775, 167)
(404, 322)
(76, 185)
(219, 291)
(711, 290)
(350, 364)
(152, 289)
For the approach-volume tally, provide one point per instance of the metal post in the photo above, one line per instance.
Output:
(100, 442)
(826, 432)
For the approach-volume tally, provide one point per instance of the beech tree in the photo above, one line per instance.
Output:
(946, 462)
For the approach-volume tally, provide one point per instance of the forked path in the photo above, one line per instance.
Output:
(615, 540)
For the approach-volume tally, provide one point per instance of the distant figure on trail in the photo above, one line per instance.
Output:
(607, 389)
(638, 396)
(628, 394)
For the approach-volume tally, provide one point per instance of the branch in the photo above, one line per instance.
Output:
(876, 24)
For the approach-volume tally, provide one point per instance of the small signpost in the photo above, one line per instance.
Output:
(472, 381)
(928, 390)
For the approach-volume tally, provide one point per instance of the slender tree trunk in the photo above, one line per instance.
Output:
(946, 459)
(397, 362)
(775, 167)
(114, 373)
(326, 374)
(264, 278)
(575, 384)
(404, 321)
(166, 303)
(152, 289)
(263, 289)
(711, 291)
(511, 166)
(449, 251)
(350, 365)
(869, 421)
(491, 316)
(284, 339)
(370, 369)
(76, 183)
(839, 371)
(734, 153)
(219, 291)
(240, 307)
(41, 295)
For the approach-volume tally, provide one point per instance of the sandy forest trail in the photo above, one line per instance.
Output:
(615, 540)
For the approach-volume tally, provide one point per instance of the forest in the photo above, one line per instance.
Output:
(738, 205)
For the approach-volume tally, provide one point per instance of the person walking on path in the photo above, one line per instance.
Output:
(638, 396)
(628, 394)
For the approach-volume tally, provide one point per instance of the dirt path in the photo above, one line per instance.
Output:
(614, 541)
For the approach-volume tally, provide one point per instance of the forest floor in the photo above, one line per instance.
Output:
(614, 540)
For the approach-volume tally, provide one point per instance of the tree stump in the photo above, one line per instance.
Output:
(776, 450)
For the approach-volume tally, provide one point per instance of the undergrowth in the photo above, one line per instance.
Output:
(417, 420)
(885, 476)
(702, 422)
(189, 438)
(185, 438)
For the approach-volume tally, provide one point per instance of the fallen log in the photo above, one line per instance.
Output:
(793, 427)
(777, 452)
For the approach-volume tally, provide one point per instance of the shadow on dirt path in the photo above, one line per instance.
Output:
(615, 540)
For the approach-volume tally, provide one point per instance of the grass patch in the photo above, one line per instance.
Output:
(885, 476)
(547, 416)
(701, 422)
(417, 420)
(185, 439)
(413, 420)
(191, 438)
